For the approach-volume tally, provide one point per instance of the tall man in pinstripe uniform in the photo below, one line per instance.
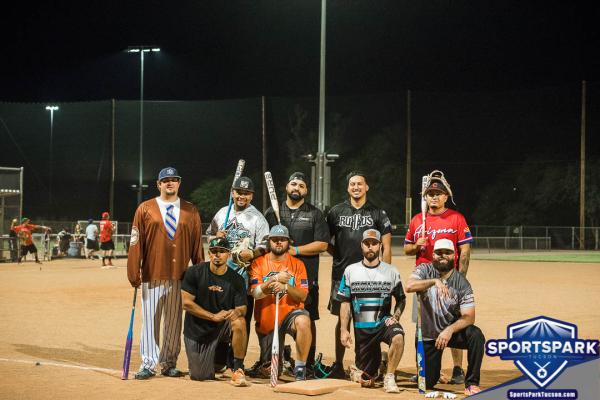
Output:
(166, 234)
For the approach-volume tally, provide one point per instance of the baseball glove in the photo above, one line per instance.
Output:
(241, 245)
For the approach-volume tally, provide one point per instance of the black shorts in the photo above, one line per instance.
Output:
(368, 346)
(334, 300)
(30, 248)
(265, 341)
(311, 304)
(91, 244)
(108, 245)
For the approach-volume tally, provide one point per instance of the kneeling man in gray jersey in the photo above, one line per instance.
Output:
(447, 315)
(370, 285)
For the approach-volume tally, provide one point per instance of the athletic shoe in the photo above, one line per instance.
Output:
(144, 373)
(356, 375)
(300, 373)
(337, 371)
(473, 389)
(172, 373)
(259, 370)
(458, 376)
(238, 378)
(389, 383)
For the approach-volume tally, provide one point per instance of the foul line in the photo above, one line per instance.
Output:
(53, 364)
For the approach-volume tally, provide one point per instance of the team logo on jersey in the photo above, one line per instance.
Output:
(215, 288)
(542, 348)
(432, 233)
(236, 231)
(355, 222)
(135, 236)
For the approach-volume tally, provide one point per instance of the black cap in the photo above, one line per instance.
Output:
(298, 175)
(436, 184)
(243, 183)
(220, 243)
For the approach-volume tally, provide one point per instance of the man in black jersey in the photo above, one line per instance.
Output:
(347, 221)
(214, 300)
(309, 237)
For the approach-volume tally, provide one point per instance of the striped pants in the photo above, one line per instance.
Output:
(161, 300)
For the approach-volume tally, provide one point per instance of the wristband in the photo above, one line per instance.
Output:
(258, 293)
(297, 251)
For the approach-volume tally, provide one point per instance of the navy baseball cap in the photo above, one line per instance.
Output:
(279, 231)
(243, 183)
(168, 172)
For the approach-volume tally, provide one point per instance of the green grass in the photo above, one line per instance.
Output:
(584, 257)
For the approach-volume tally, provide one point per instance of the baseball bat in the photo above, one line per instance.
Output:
(424, 183)
(129, 341)
(272, 195)
(420, 348)
(238, 172)
(275, 346)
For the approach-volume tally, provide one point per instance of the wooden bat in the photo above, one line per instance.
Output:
(129, 341)
(272, 195)
(275, 346)
(420, 349)
(238, 172)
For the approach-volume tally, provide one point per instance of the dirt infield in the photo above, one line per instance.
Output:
(72, 317)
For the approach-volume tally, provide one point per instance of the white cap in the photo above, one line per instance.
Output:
(444, 244)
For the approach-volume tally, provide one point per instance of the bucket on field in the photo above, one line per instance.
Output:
(74, 249)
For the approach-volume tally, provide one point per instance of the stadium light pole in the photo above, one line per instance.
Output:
(51, 109)
(141, 50)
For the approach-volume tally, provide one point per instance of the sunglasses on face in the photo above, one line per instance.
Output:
(278, 239)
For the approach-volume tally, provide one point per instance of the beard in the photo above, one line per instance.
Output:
(442, 267)
(295, 195)
(371, 255)
(279, 252)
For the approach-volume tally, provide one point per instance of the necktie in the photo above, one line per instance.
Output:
(170, 222)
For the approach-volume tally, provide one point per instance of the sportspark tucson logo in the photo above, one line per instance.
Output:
(542, 348)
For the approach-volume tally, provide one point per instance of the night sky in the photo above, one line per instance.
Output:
(71, 51)
(495, 83)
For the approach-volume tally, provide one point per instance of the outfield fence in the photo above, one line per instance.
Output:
(486, 237)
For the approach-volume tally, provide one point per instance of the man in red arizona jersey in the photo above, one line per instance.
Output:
(440, 223)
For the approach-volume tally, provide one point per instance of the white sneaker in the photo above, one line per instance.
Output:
(389, 384)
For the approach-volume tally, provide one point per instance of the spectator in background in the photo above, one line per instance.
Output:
(91, 239)
(25, 236)
(106, 243)
(13, 244)
(64, 237)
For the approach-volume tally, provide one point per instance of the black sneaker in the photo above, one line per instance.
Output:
(172, 373)
(310, 372)
(337, 371)
(259, 370)
(300, 373)
(458, 376)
